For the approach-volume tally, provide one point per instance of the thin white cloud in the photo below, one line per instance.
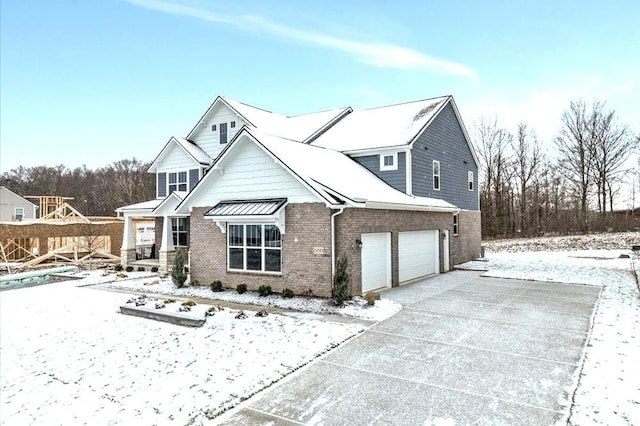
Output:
(382, 55)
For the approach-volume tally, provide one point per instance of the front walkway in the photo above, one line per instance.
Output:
(464, 350)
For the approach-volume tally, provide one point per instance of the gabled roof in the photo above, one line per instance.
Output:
(146, 206)
(190, 148)
(170, 202)
(4, 188)
(332, 176)
(300, 127)
(387, 126)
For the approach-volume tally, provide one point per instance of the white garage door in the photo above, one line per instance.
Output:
(418, 254)
(376, 261)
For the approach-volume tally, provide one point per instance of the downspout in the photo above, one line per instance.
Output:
(333, 242)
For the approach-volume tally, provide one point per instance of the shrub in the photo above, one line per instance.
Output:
(129, 269)
(177, 272)
(217, 286)
(241, 288)
(287, 293)
(264, 290)
(371, 298)
(154, 269)
(189, 303)
(167, 301)
(141, 269)
(117, 267)
(340, 288)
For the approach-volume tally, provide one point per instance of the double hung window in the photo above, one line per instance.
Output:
(179, 231)
(177, 181)
(436, 175)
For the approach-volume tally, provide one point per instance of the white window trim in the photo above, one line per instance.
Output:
(15, 212)
(393, 166)
(178, 182)
(433, 169)
(456, 225)
(470, 183)
(244, 247)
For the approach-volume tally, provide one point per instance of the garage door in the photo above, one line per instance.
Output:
(376, 261)
(418, 254)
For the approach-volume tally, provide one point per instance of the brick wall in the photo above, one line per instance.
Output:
(306, 253)
(354, 222)
(466, 246)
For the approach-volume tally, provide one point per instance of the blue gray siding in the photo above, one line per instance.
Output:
(395, 178)
(162, 185)
(193, 178)
(444, 141)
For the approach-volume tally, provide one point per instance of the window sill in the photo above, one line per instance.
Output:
(257, 273)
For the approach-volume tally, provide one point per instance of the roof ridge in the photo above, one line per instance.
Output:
(246, 104)
(404, 103)
(317, 112)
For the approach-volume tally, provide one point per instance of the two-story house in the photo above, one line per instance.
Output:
(258, 198)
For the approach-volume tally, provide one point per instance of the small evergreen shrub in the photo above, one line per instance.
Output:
(264, 290)
(241, 288)
(141, 269)
(287, 293)
(217, 286)
(154, 269)
(178, 275)
(340, 288)
(129, 269)
(117, 267)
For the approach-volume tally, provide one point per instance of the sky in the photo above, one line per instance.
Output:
(96, 81)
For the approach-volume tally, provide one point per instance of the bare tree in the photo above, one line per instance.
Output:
(612, 145)
(527, 157)
(492, 143)
(575, 149)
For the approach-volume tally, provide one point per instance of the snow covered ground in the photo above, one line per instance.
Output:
(69, 358)
(608, 391)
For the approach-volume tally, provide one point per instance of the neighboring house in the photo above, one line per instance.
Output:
(14, 208)
(258, 198)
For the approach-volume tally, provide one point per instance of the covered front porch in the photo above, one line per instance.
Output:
(153, 233)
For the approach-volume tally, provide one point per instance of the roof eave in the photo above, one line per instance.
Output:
(412, 207)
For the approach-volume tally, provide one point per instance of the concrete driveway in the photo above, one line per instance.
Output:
(464, 350)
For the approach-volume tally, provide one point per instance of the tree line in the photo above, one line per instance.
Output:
(568, 186)
(96, 192)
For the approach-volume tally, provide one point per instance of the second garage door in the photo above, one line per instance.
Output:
(418, 254)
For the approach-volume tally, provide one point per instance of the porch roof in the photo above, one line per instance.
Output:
(264, 207)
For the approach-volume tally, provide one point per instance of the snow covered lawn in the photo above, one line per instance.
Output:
(608, 391)
(68, 357)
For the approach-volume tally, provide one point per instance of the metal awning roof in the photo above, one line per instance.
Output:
(246, 207)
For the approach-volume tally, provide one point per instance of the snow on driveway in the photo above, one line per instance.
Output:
(69, 358)
(608, 391)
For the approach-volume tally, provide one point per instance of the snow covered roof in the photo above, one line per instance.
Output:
(192, 150)
(170, 202)
(145, 205)
(337, 178)
(381, 127)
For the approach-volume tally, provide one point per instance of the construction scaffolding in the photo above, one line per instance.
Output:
(62, 236)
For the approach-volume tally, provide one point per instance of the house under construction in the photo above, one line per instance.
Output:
(62, 235)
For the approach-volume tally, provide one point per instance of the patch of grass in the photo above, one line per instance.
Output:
(189, 303)
(167, 301)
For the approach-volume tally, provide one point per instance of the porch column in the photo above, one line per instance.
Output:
(128, 247)
(167, 249)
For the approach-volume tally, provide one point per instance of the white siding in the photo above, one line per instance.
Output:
(176, 159)
(251, 174)
(209, 140)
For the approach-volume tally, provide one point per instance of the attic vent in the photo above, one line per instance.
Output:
(423, 112)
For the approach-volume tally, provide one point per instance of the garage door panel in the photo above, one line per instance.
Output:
(376, 261)
(417, 254)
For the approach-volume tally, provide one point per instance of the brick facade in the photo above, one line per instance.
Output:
(466, 246)
(306, 245)
(306, 253)
(354, 222)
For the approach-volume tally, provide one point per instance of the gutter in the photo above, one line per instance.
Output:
(333, 242)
